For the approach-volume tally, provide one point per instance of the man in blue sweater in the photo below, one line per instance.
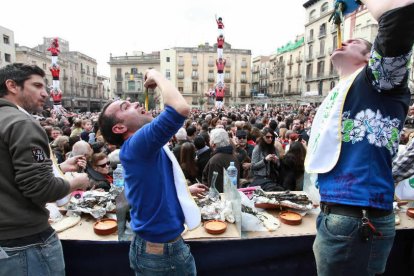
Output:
(353, 140)
(153, 180)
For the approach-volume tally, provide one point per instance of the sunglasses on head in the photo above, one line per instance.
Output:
(104, 165)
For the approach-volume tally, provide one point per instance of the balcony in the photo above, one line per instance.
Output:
(118, 91)
(289, 76)
(227, 80)
(290, 62)
(333, 29)
(94, 75)
(194, 63)
(211, 64)
(83, 71)
(119, 78)
(298, 75)
(321, 55)
(194, 77)
(243, 81)
(210, 79)
(310, 39)
(179, 76)
(180, 63)
(299, 59)
(243, 64)
(228, 64)
(322, 34)
(65, 77)
(309, 58)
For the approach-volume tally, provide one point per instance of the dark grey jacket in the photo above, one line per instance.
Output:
(27, 182)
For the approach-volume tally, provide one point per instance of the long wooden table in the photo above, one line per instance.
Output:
(286, 251)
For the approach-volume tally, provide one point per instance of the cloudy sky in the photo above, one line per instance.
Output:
(98, 28)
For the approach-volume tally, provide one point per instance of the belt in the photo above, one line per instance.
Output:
(353, 211)
(28, 240)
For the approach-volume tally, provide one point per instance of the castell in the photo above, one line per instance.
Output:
(55, 92)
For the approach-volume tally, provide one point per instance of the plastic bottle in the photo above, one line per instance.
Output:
(118, 176)
(232, 173)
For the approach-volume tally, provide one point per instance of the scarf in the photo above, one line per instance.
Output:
(325, 141)
(190, 209)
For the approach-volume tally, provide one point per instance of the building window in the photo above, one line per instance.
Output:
(180, 87)
(131, 85)
(227, 75)
(321, 68)
(324, 7)
(167, 59)
(308, 87)
(194, 87)
(167, 74)
(310, 35)
(210, 75)
(134, 71)
(44, 66)
(312, 15)
(322, 47)
(332, 84)
(320, 87)
(180, 61)
(289, 87)
(180, 74)
(194, 73)
(194, 61)
(322, 30)
(6, 39)
(335, 43)
(243, 76)
(7, 57)
(243, 90)
(309, 71)
(119, 87)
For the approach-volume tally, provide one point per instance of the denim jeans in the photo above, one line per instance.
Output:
(43, 258)
(340, 250)
(171, 259)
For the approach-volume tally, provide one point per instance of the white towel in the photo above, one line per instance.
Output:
(325, 140)
(190, 209)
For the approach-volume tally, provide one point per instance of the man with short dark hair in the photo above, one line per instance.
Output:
(28, 244)
(155, 185)
(354, 137)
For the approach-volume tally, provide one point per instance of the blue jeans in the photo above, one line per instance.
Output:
(340, 250)
(161, 259)
(43, 258)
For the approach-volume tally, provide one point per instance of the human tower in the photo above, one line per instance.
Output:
(55, 92)
(219, 90)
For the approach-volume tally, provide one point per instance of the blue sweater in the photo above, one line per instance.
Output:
(156, 214)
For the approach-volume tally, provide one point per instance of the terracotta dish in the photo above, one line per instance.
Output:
(410, 212)
(215, 227)
(267, 206)
(291, 218)
(105, 226)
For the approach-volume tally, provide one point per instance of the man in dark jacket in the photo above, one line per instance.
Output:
(203, 154)
(27, 242)
(221, 158)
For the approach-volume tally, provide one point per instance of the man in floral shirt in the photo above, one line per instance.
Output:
(353, 140)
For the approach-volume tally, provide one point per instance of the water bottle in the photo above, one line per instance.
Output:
(232, 173)
(118, 176)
